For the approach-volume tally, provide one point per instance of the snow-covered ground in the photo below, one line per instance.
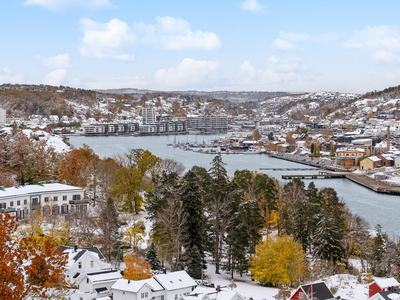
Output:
(245, 287)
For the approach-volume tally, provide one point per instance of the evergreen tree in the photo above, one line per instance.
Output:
(266, 191)
(192, 205)
(194, 263)
(377, 251)
(328, 239)
(218, 202)
(152, 258)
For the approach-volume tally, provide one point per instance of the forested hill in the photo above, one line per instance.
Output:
(388, 93)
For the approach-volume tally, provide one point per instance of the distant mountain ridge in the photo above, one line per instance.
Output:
(223, 95)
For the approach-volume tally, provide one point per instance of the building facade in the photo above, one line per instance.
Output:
(46, 198)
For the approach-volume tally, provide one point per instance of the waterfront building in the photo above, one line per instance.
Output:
(47, 198)
(207, 123)
(349, 153)
(149, 115)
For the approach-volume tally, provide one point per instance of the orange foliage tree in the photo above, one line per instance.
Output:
(136, 268)
(42, 265)
(75, 168)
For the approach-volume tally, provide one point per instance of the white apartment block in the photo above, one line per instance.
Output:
(149, 115)
(54, 198)
(2, 117)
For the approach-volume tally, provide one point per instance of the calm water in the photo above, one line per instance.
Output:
(375, 208)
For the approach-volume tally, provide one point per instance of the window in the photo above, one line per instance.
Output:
(176, 297)
(76, 197)
(55, 198)
(80, 265)
(87, 280)
(91, 263)
(162, 297)
(146, 294)
(25, 202)
(11, 203)
(142, 295)
(18, 202)
(64, 198)
(35, 201)
(3, 206)
(46, 199)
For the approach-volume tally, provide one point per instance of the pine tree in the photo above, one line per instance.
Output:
(152, 258)
(328, 239)
(191, 198)
(194, 263)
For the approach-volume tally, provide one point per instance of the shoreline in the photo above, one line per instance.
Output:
(377, 186)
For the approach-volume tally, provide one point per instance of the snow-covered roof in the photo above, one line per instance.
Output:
(135, 285)
(350, 149)
(35, 189)
(175, 280)
(374, 158)
(386, 282)
(104, 276)
(201, 292)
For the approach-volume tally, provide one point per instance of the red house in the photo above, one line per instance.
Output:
(315, 291)
(381, 285)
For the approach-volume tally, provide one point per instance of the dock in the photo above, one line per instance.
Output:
(289, 169)
(321, 175)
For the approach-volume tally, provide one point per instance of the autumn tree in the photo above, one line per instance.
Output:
(134, 234)
(42, 264)
(75, 168)
(136, 268)
(256, 135)
(291, 141)
(278, 260)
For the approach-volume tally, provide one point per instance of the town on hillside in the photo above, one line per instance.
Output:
(75, 225)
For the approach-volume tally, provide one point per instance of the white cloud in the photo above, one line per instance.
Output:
(57, 5)
(106, 40)
(188, 73)
(383, 41)
(285, 42)
(56, 77)
(295, 37)
(7, 76)
(386, 56)
(375, 37)
(252, 5)
(283, 45)
(277, 71)
(58, 61)
(175, 34)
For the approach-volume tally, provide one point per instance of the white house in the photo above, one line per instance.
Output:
(169, 286)
(97, 284)
(50, 197)
(81, 262)
(207, 293)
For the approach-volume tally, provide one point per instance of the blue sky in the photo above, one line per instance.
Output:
(280, 45)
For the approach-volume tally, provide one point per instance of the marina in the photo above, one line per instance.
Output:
(375, 207)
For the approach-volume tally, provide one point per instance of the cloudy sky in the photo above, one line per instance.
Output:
(285, 45)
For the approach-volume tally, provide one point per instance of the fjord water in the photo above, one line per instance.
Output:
(375, 208)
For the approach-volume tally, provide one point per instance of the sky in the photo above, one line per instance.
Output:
(238, 45)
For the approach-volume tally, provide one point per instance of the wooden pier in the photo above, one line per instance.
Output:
(321, 175)
(289, 169)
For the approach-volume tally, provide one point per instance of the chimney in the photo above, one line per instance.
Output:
(388, 139)
(129, 281)
(218, 288)
(164, 270)
(75, 248)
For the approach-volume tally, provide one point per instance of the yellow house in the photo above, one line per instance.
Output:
(371, 162)
(348, 153)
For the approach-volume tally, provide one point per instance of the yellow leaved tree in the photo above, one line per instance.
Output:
(278, 260)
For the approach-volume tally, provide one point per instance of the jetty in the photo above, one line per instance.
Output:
(320, 175)
(289, 169)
